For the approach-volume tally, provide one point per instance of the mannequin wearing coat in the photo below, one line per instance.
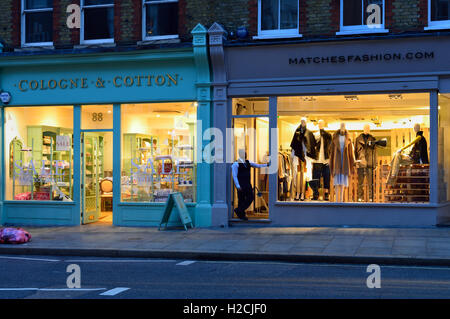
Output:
(341, 161)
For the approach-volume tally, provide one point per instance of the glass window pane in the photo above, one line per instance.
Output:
(440, 10)
(97, 2)
(352, 12)
(161, 19)
(251, 106)
(444, 147)
(373, 19)
(39, 27)
(289, 10)
(158, 151)
(269, 15)
(317, 163)
(39, 144)
(38, 4)
(99, 23)
(96, 117)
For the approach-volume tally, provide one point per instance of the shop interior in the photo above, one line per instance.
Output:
(377, 149)
(158, 155)
(386, 160)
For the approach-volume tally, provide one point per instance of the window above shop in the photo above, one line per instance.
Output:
(37, 23)
(361, 17)
(278, 19)
(160, 19)
(438, 14)
(97, 21)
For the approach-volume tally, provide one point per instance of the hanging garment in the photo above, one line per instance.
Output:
(323, 145)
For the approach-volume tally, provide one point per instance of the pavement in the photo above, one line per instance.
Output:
(400, 246)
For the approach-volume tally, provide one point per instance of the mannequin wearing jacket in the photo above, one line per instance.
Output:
(366, 160)
(321, 165)
(341, 161)
(303, 146)
(419, 152)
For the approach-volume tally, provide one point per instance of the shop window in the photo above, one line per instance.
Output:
(37, 22)
(362, 16)
(158, 151)
(439, 14)
(354, 148)
(39, 142)
(160, 19)
(251, 106)
(444, 147)
(278, 18)
(96, 117)
(97, 21)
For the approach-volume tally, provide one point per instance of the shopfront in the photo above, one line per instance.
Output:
(105, 137)
(360, 130)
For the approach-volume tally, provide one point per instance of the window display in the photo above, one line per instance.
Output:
(158, 143)
(444, 147)
(354, 148)
(39, 141)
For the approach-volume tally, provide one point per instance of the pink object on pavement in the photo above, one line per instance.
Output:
(14, 236)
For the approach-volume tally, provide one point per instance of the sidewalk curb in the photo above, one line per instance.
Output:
(226, 256)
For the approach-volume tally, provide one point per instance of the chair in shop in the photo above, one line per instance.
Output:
(106, 187)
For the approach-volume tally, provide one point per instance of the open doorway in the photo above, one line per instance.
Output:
(97, 167)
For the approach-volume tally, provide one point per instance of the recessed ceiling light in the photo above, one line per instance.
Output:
(351, 97)
(395, 96)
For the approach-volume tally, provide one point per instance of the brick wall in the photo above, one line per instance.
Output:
(127, 21)
(63, 37)
(405, 15)
(6, 21)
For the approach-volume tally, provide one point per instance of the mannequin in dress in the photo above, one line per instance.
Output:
(341, 161)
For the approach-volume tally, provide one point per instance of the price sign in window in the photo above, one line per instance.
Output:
(96, 117)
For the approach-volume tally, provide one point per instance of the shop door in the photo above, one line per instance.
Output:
(252, 135)
(96, 179)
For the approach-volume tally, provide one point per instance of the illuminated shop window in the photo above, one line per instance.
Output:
(354, 148)
(158, 158)
(39, 144)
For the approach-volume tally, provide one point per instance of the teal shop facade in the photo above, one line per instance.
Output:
(163, 75)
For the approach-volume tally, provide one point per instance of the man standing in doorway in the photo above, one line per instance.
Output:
(241, 170)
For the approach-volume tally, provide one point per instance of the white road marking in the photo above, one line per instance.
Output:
(118, 261)
(52, 289)
(27, 258)
(186, 263)
(115, 291)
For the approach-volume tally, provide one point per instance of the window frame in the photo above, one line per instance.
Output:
(82, 27)
(363, 28)
(436, 25)
(145, 3)
(23, 31)
(278, 33)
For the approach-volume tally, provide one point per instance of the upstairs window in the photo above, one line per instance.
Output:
(362, 16)
(278, 18)
(160, 19)
(438, 14)
(97, 21)
(37, 22)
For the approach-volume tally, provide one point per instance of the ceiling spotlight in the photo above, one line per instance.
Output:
(395, 96)
(351, 97)
(308, 98)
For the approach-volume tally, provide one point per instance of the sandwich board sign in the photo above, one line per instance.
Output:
(177, 200)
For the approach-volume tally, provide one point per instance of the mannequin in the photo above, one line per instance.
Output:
(419, 152)
(341, 161)
(303, 146)
(321, 167)
(366, 162)
(241, 170)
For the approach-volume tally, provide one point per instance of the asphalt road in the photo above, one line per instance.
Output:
(46, 277)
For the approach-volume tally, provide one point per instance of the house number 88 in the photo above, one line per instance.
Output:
(97, 117)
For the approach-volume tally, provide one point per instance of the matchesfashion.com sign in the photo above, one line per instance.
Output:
(362, 58)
